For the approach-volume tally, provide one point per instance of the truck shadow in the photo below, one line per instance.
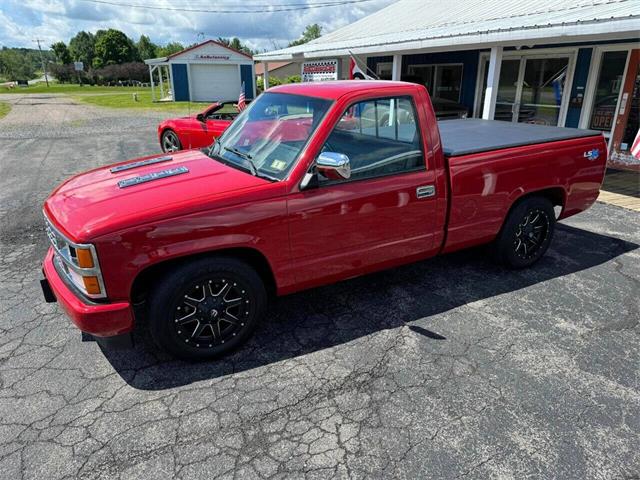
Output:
(329, 316)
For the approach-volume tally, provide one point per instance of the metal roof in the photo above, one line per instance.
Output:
(443, 25)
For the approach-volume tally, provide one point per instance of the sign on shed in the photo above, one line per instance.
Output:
(78, 66)
(320, 70)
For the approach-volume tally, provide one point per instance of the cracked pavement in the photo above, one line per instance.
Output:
(448, 368)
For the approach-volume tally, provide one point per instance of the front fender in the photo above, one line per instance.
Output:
(260, 226)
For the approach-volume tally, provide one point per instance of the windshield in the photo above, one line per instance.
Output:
(267, 138)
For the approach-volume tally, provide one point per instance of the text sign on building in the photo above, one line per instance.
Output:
(208, 56)
(78, 66)
(320, 70)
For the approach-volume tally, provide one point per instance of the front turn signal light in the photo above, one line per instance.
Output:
(85, 259)
(91, 285)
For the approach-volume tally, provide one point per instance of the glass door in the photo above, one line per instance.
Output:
(508, 90)
(531, 89)
(607, 91)
(543, 87)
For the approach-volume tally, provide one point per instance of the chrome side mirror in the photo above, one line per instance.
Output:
(334, 166)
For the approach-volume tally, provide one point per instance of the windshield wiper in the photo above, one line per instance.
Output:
(249, 159)
(244, 156)
(238, 152)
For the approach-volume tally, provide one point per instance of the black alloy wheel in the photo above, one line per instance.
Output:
(207, 307)
(532, 233)
(526, 233)
(212, 312)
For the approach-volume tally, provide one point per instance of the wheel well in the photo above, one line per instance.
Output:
(555, 195)
(167, 129)
(146, 278)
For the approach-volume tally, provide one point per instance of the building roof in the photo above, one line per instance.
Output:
(272, 66)
(151, 61)
(206, 43)
(438, 25)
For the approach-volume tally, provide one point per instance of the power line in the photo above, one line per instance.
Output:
(256, 8)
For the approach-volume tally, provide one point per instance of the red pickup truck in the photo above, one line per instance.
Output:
(311, 184)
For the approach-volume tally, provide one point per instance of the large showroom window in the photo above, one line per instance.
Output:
(442, 80)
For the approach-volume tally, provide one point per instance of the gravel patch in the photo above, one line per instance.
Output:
(59, 116)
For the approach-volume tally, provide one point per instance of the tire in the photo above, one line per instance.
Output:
(526, 233)
(170, 141)
(205, 308)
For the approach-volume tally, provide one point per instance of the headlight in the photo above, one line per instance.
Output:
(78, 263)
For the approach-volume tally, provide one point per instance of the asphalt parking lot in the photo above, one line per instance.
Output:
(449, 368)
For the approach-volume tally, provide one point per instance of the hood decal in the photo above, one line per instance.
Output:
(140, 163)
(170, 172)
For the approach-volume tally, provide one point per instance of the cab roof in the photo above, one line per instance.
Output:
(335, 89)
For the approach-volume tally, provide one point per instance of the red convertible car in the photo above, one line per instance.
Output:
(195, 131)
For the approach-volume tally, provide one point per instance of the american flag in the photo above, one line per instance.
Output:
(242, 104)
(635, 148)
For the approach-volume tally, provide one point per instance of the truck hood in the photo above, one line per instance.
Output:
(110, 198)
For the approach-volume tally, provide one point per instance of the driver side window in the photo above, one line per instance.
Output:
(380, 137)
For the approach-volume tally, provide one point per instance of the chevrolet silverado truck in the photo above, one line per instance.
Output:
(311, 184)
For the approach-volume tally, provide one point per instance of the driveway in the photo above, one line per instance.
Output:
(449, 368)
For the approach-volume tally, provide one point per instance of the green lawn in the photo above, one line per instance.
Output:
(4, 109)
(126, 100)
(70, 88)
(113, 97)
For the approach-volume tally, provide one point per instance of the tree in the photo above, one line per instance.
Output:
(15, 64)
(146, 48)
(311, 32)
(170, 48)
(236, 44)
(82, 48)
(113, 47)
(61, 52)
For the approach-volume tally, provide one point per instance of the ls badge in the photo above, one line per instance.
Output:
(592, 154)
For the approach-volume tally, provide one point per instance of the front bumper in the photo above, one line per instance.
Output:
(98, 319)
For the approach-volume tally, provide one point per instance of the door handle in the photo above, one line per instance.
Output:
(425, 191)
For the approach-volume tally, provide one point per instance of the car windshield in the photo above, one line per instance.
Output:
(267, 138)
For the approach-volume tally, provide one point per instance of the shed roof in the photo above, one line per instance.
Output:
(151, 61)
(446, 25)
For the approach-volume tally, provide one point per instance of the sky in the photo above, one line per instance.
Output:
(22, 21)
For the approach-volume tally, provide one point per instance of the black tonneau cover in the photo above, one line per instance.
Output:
(473, 135)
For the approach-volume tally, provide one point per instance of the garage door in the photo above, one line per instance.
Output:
(214, 82)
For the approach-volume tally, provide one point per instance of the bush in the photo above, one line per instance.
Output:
(68, 74)
(274, 81)
(131, 73)
(63, 73)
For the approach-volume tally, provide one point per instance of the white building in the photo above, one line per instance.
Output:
(571, 63)
(209, 71)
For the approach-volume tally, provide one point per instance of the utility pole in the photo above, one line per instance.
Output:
(44, 65)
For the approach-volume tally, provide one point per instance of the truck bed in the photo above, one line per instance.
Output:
(463, 137)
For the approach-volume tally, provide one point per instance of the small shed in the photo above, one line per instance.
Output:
(207, 72)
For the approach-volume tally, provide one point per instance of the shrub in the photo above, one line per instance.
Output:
(127, 73)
